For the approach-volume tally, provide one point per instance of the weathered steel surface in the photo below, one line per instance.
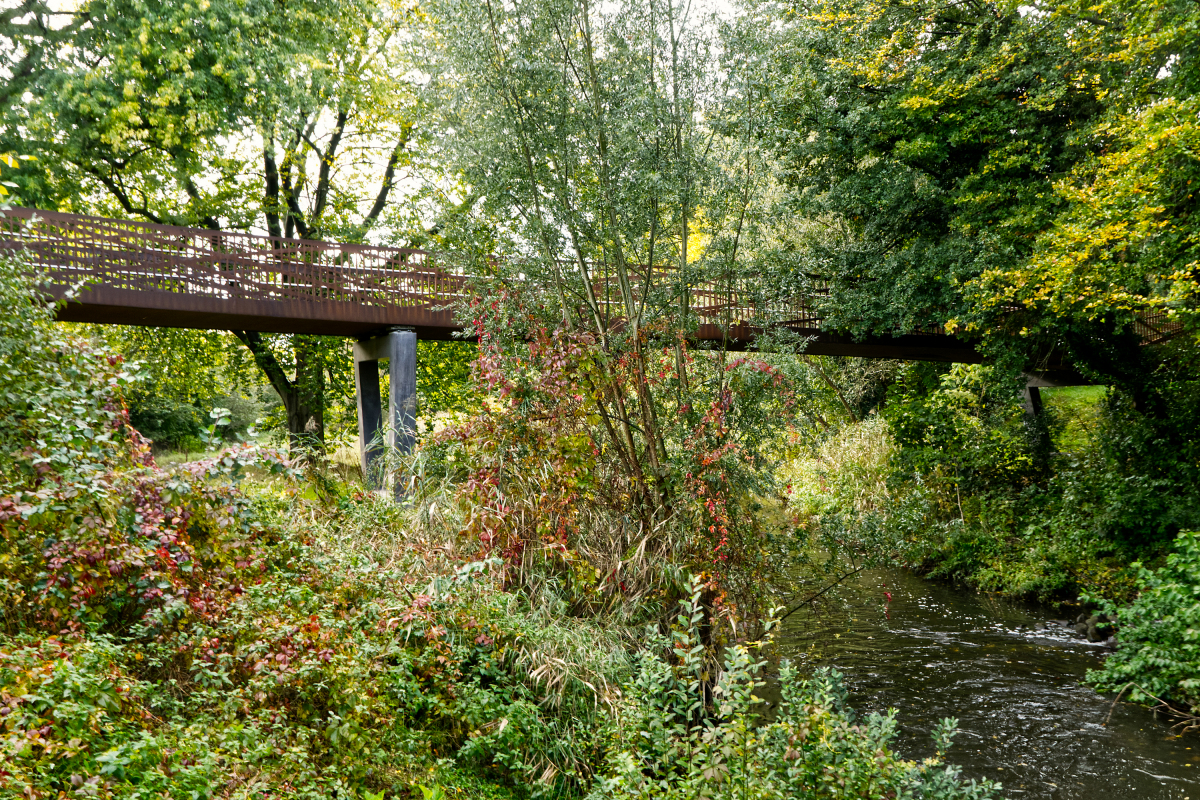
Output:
(138, 273)
(170, 276)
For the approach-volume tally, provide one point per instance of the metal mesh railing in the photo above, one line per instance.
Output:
(268, 271)
(146, 257)
(225, 265)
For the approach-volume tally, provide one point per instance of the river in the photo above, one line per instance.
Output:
(935, 651)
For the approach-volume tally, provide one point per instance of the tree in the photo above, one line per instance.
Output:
(290, 118)
(577, 127)
(1124, 244)
(1015, 173)
(608, 204)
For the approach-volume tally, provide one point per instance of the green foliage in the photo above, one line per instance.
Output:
(444, 376)
(7, 198)
(134, 103)
(1048, 507)
(58, 409)
(161, 632)
(1159, 640)
(1151, 439)
(1019, 174)
(174, 425)
(606, 453)
(1125, 240)
(312, 378)
(922, 132)
(839, 500)
(178, 365)
(669, 741)
(952, 479)
(182, 375)
(1078, 411)
(964, 426)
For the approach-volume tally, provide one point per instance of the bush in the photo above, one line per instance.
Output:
(62, 426)
(964, 428)
(180, 426)
(1158, 657)
(564, 492)
(669, 743)
(167, 425)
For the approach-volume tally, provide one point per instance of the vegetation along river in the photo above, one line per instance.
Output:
(934, 651)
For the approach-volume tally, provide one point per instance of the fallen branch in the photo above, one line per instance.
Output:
(1188, 720)
(805, 602)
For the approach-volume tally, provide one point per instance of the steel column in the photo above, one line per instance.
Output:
(402, 368)
(1033, 401)
(399, 349)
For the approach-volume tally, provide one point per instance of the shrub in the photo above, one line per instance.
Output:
(972, 494)
(669, 742)
(1158, 657)
(167, 425)
(559, 486)
(61, 422)
(964, 429)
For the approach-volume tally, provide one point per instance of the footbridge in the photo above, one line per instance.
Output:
(124, 272)
(138, 273)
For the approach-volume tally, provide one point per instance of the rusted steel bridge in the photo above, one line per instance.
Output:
(137, 273)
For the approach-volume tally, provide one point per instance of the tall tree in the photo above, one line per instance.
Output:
(292, 118)
(1015, 172)
(612, 205)
(576, 124)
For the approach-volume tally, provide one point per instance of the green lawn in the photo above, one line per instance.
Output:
(1078, 408)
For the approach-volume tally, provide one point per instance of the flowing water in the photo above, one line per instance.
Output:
(934, 651)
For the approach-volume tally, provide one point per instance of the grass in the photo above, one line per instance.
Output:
(173, 458)
(1077, 408)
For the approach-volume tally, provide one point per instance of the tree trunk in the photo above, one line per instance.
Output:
(306, 411)
(303, 398)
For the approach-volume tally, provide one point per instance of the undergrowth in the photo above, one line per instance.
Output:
(1158, 661)
(952, 479)
(234, 627)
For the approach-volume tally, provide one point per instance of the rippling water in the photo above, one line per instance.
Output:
(1012, 684)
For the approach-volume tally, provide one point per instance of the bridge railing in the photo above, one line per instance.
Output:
(142, 257)
(716, 301)
(121, 254)
(138, 257)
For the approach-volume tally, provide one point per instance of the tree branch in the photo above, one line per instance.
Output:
(190, 187)
(267, 363)
(389, 177)
(295, 217)
(322, 194)
(115, 189)
(832, 385)
(271, 206)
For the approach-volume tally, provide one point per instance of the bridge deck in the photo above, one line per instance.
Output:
(139, 273)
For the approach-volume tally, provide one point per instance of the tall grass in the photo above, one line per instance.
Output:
(845, 471)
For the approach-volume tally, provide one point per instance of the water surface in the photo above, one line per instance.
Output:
(935, 651)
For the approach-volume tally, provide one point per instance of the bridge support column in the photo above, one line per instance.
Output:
(1033, 401)
(399, 349)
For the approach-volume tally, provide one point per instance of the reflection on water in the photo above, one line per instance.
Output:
(1013, 685)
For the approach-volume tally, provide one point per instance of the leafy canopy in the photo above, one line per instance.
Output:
(986, 167)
